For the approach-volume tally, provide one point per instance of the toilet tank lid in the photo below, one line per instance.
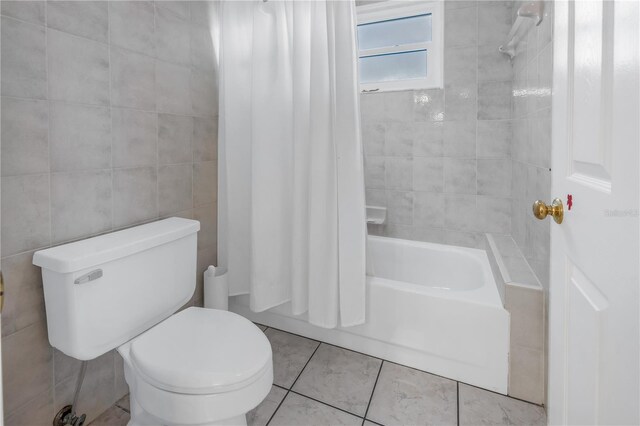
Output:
(94, 251)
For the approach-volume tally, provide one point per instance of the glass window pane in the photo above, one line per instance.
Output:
(394, 66)
(395, 32)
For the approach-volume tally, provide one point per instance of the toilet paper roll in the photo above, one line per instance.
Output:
(216, 289)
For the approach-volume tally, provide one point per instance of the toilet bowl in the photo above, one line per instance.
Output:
(197, 367)
(121, 291)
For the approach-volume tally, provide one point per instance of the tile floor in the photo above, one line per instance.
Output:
(320, 384)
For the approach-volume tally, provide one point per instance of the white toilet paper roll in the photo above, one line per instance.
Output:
(216, 289)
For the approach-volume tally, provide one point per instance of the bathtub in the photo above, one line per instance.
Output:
(429, 306)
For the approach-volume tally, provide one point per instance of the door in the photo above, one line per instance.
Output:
(593, 297)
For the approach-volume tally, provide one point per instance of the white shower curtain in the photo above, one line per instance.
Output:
(292, 213)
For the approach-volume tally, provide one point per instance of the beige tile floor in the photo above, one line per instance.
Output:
(320, 384)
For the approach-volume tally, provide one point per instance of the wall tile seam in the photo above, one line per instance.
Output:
(462, 7)
(84, 237)
(134, 224)
(472, 230)
(370, 122)
(105, 169)
(157, 165)
(531, 164)
(477, 101)
(40, 322)
(500, 80)
(70, 383)
(443, 228)
(97, 234)
(111, 106)
(530, 115)
(453, 194)
(27, 404)
(193, 198)
(48, 172)
(111, 144)
(116, 106)
(191, 66)
(74, 103)
(27, 174)
(160, 4)
(410, 157)
(460, 47)
(50, 188)
(51, 387)
(23, 21)
(417, 191)
(104, 43)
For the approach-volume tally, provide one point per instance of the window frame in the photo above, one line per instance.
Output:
(389, 10)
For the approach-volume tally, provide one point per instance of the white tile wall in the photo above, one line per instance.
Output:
(440, 159)
(109, 119)
(531, 180)
(531, 148)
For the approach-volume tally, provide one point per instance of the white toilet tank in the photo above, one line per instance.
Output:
(103, 291)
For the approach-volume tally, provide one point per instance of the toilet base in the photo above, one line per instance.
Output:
(151, 406)
(139, 417)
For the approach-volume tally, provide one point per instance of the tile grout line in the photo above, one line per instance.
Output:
(294, 382)
(117, 106)
(105, 43)
(121, 407)
(458, 403)
(328, 405)
(278, 407)
(290, 390)
(375, 384)
(504, 395)
(46, 99)
(157, 116)
(110, 106)
(305, 365)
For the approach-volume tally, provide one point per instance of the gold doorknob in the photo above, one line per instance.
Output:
(542, 210)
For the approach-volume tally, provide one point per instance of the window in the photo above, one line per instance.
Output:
(400, 45)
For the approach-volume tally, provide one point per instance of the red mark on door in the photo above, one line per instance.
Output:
(569, 201)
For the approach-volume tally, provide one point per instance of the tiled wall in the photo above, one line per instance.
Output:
(531, 148)
(524, 298)
(440, 159)
(531, 180)
(109, 119)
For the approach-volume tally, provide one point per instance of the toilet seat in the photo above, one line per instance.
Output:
(201, 351)
(197, 367)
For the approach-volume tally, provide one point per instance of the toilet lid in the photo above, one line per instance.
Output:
(201, 351)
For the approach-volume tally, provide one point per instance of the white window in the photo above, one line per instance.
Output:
(400, 45)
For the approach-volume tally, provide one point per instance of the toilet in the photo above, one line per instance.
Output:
(122, 290)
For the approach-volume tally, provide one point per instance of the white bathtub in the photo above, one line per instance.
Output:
(430, 306)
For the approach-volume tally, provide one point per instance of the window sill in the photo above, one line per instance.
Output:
(396, 86)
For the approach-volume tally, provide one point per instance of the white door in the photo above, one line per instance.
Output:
(1, 306)
(593, 302)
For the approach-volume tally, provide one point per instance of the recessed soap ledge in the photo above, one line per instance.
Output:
(376, 215)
